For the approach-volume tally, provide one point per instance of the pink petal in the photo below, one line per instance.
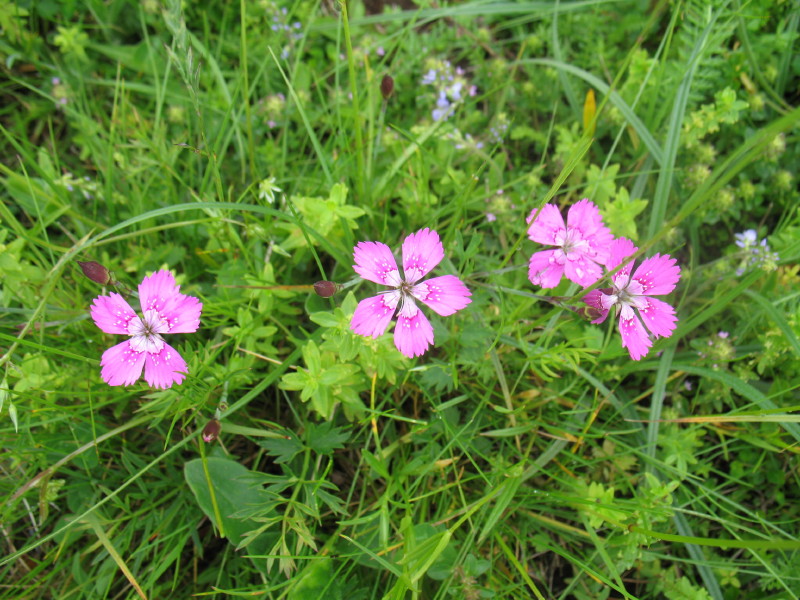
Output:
(373, 315)
(121, 364)
(375, 262)
(156, 289)
(621, 248)
(413, 336)
(182, 314)
(658, 275)
(584, 215)
(582, 271)
(594, 299)
(445, 295)
(544, 270)
(658, 316)
(547, 225)
(634, 336)
(112, 313)
(159, 292)
(422, 251)
(165, 368)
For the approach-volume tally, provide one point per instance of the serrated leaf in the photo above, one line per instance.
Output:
(601, 184)
(437, 379)
(332, 502)
(283, 449)
(620, 215)
(325, 438)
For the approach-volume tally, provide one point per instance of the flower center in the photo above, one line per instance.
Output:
(574, 242)
(408, 305)
(145, 332)
(623, 297)
(571, 244)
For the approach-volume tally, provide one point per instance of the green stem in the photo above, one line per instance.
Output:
(211, 493)
(251, 148)
(351, 68)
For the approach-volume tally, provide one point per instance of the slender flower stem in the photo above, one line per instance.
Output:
(251, 148)
(556, 300)
(211, 493)
(351, 67)
(300, 288)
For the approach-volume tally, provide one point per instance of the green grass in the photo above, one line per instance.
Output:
(525, 455)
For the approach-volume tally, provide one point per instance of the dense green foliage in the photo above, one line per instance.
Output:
(247, 147)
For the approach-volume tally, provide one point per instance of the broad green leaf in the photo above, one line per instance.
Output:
(312, 358)
(325, 319)
(232, 490)
(317, 580)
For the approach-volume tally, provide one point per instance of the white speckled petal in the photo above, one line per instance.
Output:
(180, 312)
(544, 269)
(413, 336)
(375, 262)
(112, 313)
(445, 295)
(657, 275)
(163, 369)
(422, 251)
(634, 336)
(373, 315)
(547, 225)
(122, 365)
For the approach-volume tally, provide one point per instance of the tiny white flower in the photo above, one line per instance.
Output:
(267, 189)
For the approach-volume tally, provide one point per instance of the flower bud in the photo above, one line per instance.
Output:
(96, 272)
(326, 289)
(211, 431)
(387, 86)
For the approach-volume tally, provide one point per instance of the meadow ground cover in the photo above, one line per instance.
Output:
(581, 216)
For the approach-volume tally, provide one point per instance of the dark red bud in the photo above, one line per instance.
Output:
(326, 289)
(96, 272)
(211, 431)
(387, 86)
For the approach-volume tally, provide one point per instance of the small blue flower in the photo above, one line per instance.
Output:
(746, 239)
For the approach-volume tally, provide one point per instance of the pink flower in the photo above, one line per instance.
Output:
(656, 276)
(445, 295)
(582, 245)
(165, 310)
